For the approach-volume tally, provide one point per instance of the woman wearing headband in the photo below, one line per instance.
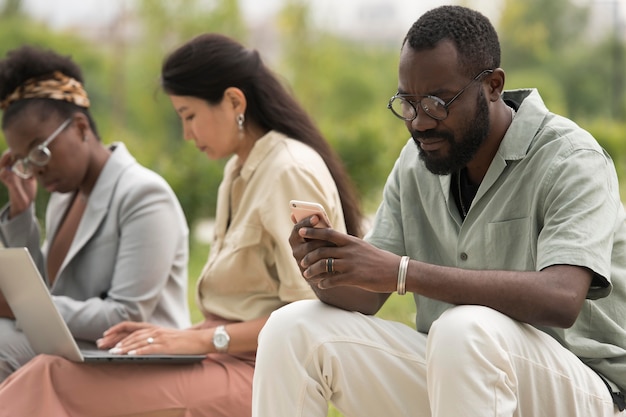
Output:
(230, 105)
(115, 244)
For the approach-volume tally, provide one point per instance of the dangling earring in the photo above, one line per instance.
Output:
(240, 119)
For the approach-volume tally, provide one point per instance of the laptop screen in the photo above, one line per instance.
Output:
(37, 316)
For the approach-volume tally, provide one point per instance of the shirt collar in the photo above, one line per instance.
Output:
(526, 123)
(261, 148)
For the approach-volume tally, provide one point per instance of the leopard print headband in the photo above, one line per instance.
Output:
(58, 87)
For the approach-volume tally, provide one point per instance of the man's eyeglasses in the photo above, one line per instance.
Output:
(404, 108)
(38, 156)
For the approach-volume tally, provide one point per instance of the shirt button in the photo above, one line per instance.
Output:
(463, 256)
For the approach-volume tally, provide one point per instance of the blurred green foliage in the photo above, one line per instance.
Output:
(345, 84)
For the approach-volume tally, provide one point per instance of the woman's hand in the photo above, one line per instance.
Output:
(119, 332)
(135, 338)
(21, 192)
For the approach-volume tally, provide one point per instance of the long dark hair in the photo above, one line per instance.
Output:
(210, 63)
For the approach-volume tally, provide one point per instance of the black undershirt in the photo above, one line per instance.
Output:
(468, 191)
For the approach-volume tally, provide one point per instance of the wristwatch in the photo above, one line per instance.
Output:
(221, 339)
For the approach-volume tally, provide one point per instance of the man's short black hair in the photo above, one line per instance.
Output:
(471, 32)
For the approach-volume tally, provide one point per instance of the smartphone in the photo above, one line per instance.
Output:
(303, 209)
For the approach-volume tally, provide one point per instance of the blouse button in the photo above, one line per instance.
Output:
(463, 256)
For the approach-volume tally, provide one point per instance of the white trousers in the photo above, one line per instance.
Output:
(475, 362)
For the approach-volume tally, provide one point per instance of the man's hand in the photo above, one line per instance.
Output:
(355, 262)
(362, 275)
(301, 246)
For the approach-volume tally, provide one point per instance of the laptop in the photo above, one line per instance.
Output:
(40, 320)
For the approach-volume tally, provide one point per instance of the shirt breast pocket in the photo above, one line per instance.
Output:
(242, 237)
(509, 246)
(239, 265)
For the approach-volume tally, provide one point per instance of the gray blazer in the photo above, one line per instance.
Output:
(128, 260)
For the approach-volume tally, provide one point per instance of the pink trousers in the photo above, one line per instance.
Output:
(219, 386)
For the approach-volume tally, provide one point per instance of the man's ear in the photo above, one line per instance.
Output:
(496, 84)
(236, 98)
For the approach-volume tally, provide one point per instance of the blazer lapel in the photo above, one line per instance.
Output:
(99, 201)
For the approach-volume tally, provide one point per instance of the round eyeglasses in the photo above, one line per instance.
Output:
(38, 156)
(404, 108)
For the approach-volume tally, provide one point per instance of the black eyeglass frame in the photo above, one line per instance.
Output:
(436, 99)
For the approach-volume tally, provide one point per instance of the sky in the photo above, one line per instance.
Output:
(334, 14)
(375, 18)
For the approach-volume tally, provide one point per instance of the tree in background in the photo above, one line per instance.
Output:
(165, 25)
(549, 43)
(344, 84)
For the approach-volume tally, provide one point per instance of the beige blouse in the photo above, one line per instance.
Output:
(251, 271)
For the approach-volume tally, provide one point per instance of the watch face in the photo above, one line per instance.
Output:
(220, 340)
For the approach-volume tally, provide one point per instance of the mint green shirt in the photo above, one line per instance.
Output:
(550, 196)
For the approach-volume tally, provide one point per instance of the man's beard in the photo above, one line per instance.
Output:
(459, 153)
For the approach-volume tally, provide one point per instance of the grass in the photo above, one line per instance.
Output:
(198, 254)
(398, 308)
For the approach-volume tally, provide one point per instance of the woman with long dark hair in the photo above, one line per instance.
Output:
(231, 106)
